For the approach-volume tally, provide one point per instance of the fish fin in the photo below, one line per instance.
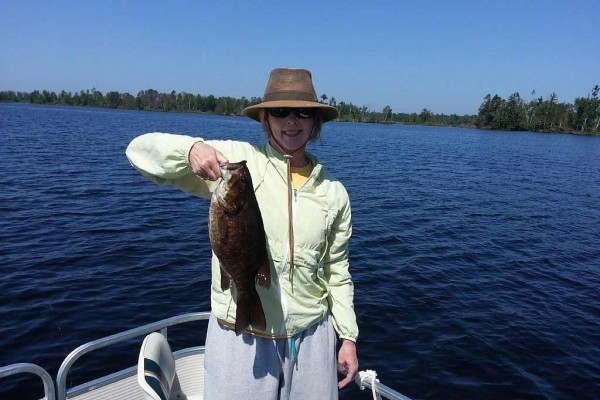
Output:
(242, 315)
(257, 315)
(249, 312)
(263, 275)
(225, 280)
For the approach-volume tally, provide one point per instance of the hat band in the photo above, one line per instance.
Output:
(298, 96)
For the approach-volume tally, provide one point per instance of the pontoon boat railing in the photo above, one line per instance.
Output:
(20, 368)
(368, 379)
(61, 379)
(364, 379)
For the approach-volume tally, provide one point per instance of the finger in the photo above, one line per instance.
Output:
(221, 159)
(214, 172)
(344, 381)
(198, 166)
(212, 162)
(200, 172)
(352, 371)
(204, 166)
(204, 161)
(197, 153)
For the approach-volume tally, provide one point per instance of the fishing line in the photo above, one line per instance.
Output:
(62, 338)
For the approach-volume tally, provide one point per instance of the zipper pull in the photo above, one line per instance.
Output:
(295, 195)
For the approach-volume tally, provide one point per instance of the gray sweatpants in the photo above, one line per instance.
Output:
(250, 367)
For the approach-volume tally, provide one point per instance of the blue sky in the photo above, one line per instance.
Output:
(441, 55)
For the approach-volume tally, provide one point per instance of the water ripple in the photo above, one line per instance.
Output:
(474, 254)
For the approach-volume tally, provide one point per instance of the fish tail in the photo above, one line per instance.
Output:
(249, 312)
(257, 315)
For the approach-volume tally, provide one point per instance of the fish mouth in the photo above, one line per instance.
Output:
(233, 166)
(228, 168)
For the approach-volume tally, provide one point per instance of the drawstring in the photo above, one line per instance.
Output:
(294, 349)
(288, 157)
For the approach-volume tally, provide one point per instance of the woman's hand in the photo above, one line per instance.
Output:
(206, 161)
(347, 362)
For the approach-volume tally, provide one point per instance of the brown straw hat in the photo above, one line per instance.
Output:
(291, 88)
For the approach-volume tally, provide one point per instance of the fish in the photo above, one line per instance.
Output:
(237, 236)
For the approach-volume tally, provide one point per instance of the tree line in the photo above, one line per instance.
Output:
(541, 115)
(152, 100)
(149, 100)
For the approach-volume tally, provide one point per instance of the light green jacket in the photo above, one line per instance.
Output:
(320, 281)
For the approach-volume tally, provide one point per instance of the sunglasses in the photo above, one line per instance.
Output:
(282, 112)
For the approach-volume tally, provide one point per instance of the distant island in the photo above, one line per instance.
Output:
(514, 114)
(541, 115)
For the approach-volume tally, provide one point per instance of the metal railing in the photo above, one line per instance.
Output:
(368, 379)
(61, 379)
(364, 379)
(34, 369)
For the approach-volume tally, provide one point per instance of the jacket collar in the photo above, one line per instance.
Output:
(279, 162)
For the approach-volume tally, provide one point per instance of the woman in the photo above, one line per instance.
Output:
(306, 214)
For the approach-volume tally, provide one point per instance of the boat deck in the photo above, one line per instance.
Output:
(124, 384)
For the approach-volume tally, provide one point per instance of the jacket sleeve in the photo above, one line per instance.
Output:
(163, 158)
(337, 274)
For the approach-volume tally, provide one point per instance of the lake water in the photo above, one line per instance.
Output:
(475, 254)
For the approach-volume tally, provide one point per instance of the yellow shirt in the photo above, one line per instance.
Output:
(300, 175)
